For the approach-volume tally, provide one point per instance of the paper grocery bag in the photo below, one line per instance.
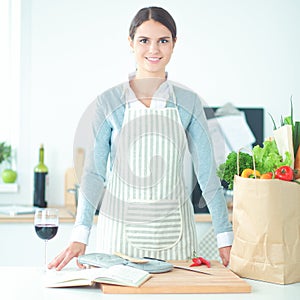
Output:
(266, 225)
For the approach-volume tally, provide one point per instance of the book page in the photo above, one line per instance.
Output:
(72, 277)
(118, 274)
(125, 275)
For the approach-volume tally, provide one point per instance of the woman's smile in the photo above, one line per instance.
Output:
(153, 59)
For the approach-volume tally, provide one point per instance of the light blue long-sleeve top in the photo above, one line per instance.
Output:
(108, 114)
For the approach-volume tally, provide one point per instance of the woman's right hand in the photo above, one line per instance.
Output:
(73, 250)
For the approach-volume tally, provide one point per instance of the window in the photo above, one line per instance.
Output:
(9, 71)
(9, 79)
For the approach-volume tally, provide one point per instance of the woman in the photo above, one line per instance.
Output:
(145, 126)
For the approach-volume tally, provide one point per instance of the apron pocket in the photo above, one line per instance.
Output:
(155, 225)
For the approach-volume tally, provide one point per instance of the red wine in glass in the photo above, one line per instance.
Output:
(46, 225)
(46, 231)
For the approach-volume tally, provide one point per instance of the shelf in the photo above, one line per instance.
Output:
(9, 187)
(65, 216)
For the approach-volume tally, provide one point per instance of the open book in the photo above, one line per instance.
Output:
(117, 275)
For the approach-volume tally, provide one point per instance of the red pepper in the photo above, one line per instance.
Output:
(205, 262)
(198, 261)
(284, 173)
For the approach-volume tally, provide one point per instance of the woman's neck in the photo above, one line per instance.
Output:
(145, 88)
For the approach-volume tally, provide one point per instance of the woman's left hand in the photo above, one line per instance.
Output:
(225, 255)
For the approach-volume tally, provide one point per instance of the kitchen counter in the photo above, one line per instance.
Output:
(19, 230)
(65, 216)
(23, 233)
(22, 283)
(68, 216)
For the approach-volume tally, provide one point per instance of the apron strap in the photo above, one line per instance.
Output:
(173, 94)
(126, 92)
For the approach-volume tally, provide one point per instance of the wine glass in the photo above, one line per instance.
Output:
(46, 225)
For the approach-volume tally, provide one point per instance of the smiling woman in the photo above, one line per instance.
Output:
(145, 126)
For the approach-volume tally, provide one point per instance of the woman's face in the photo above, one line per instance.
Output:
(153, 46)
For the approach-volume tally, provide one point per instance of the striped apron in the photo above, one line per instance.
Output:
(145, 209)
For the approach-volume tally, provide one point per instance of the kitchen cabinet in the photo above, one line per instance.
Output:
(20, 246)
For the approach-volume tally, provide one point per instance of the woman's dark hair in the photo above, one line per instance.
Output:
(157, 14)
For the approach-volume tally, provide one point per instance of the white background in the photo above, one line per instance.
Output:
(240, 51)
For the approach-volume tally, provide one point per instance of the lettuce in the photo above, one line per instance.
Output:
(268, 159)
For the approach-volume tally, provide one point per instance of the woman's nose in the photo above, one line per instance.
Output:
(153, 48)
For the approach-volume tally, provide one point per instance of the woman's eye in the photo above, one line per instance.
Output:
(143, 41)
(163, 41)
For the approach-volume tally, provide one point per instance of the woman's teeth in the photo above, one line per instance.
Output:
(153, 58)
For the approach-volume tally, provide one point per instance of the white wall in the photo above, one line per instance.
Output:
(244, 52)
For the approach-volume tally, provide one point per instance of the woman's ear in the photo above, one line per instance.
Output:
(174, 42)
(130, 42)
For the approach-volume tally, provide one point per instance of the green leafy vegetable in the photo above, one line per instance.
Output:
(274, 124)
(227, 170)
(5, 152)
(267, 158)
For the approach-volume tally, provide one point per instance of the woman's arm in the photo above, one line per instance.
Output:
(202, 153)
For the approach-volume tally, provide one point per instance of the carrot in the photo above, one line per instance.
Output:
(297, 164)
(268, 175)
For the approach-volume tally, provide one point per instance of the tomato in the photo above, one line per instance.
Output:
(284, 173)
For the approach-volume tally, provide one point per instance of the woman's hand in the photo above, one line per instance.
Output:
(74, 250)
(225, 255)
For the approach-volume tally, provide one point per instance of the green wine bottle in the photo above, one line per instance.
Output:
(40, 181)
